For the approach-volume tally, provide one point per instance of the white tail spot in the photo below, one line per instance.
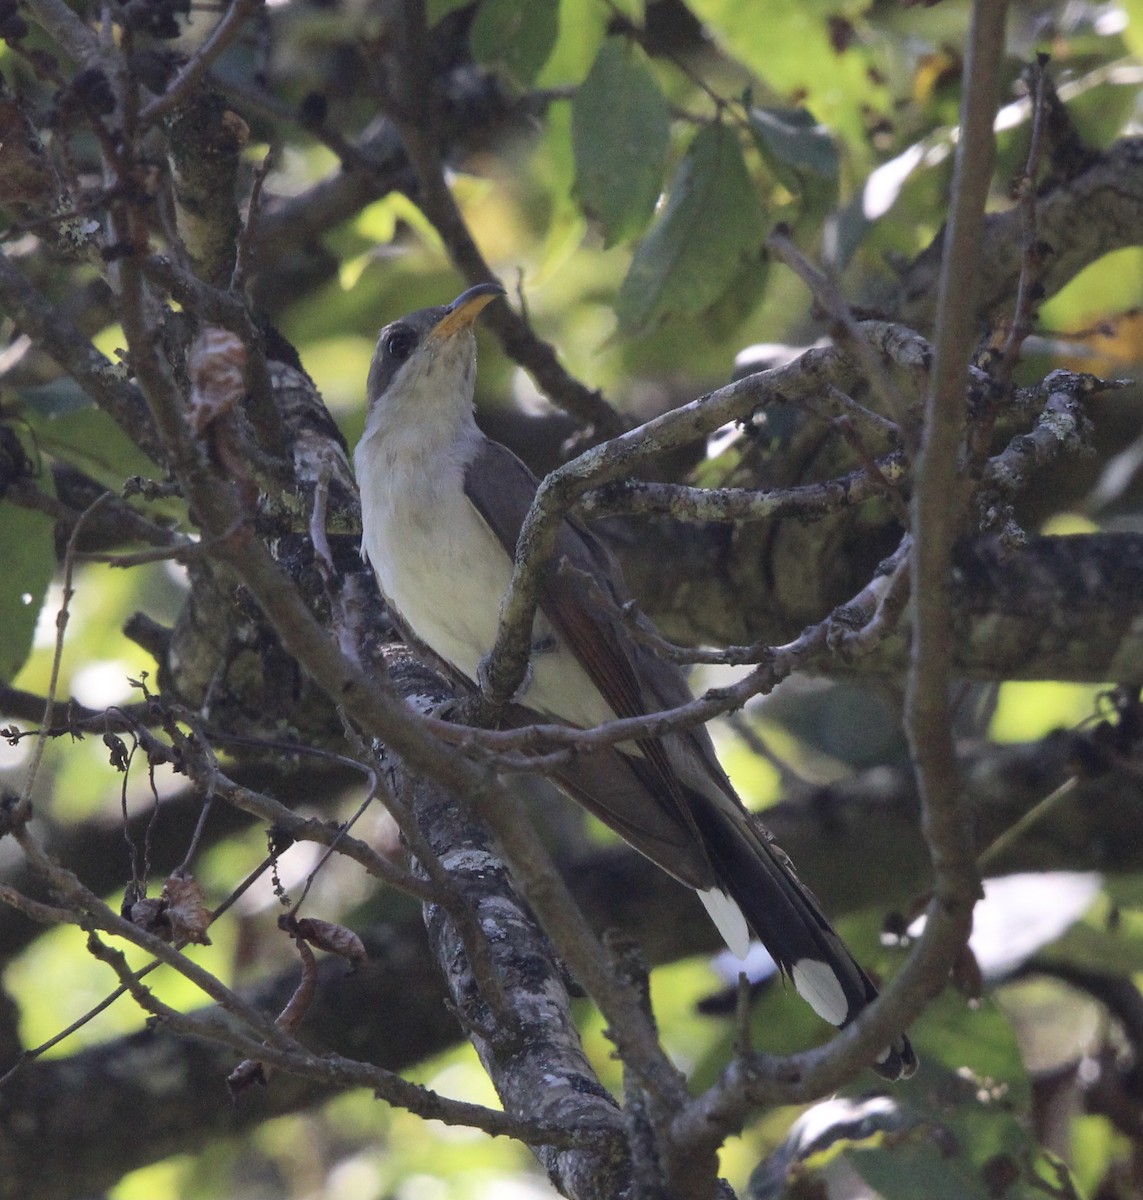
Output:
(819, 986)
(728, 919)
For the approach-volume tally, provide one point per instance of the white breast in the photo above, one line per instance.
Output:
(446, 573)
(436, 561)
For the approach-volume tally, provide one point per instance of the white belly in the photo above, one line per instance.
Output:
(446, 573)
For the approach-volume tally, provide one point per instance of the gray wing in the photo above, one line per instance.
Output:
(581, 596)
(672, 801)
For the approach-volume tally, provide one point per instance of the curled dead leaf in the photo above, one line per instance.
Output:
(186, 910)
(117, 748)
(150, 914)
(294, 1013)
(333, 938)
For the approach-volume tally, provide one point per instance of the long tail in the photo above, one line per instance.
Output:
(707, 840)
(783, 913)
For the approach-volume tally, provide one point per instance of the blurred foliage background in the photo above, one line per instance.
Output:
(620, 179)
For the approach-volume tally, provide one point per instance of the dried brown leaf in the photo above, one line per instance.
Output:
(186, 909)
(295, 1011)
(119, 757)
(333, 938)
(150, 915)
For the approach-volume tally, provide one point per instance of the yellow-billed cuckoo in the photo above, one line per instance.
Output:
(441, 510)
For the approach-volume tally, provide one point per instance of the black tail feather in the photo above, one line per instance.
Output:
(786, 917)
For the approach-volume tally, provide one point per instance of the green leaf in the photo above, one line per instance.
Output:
(1114, 282)
(620, 130)
(711, 224)
(90, 440)
(973, 1038)
(966, 1143)
(515, 38)
(583, 29)
(56, 399)
(794, 145)
(792, 53)
(27, 550)
(943, 1135)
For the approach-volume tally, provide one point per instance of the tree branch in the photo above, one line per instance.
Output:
(936, 525)
(413, 112)
(1107, 191)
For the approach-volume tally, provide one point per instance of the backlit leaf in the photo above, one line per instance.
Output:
(583, 29)
(794, 144)
(711, 224)
(619, 133)
(26, 548)
(515, 38)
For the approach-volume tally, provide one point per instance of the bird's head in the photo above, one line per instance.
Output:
(430, 355)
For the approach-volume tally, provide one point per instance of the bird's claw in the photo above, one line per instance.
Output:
(484, 680)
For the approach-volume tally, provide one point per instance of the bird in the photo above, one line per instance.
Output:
(442, 506)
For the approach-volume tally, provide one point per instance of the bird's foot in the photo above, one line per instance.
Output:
(485, 682)
(474, 709)
(457, 710)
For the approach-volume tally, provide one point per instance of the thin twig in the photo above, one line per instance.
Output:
(42, 912)
(333, 1070)
(871, 613)
(408, 94)
(890, 592)
(1017, 829)
(758, 1080)
(1027, 287)
(68, 31)
(829, 297)
(546, 893)
(24, 805)
(185, 553)
(449, 897)
(342, 831)
(91, 912)
(800, 380)
(205, 771)
(244, 255)
(803, 501)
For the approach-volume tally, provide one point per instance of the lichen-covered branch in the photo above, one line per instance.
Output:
(1107, 190)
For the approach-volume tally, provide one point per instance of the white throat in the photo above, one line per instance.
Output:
(416, 532)
(425, 410)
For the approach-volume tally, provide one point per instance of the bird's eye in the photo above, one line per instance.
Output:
(399, 343)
